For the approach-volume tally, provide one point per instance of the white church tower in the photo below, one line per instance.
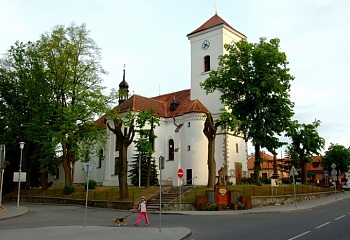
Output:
(207, 44)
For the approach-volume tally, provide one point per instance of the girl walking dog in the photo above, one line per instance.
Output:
(142, 209)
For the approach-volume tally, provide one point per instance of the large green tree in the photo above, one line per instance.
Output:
(72, 64)
(339, 155)
(50, 94)
(254, 82)
(306, 142)
(25, 110)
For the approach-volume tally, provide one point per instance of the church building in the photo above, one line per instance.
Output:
(180, 138)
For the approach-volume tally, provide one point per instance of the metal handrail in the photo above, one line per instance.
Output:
(188, 181)
(157, 184)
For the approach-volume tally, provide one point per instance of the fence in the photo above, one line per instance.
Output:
(281, 190)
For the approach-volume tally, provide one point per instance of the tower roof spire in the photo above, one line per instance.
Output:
(123, 83)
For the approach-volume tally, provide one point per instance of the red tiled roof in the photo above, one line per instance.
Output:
(266, 164)
(101, 121)
(212, 22)
(136, 103)
(161, 105)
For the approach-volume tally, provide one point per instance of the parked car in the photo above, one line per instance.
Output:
(346, 186)
(339, 186)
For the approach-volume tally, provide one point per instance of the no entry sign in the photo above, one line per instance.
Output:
(180, 173)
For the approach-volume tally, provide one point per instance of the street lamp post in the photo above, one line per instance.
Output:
(21, 146)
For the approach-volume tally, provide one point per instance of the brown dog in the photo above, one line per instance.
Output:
(119, 221)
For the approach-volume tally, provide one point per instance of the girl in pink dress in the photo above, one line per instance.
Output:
(142, 209)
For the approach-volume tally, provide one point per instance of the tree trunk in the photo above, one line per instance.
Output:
(43, 180)
(257, 164)
(211, 163)
(303, 171)
(66, 164)
(123, 172)
(210, 132)
(124, 140)
(148, 180)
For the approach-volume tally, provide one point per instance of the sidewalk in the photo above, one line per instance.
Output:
(145, 233)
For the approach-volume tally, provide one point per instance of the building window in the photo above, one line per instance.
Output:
(171, 149)
(207, 63)
(57, 173)
(315, 164)
(188, 124)
(188, 147)
(264, 175)
(116, 166)
(237, 148)
(100, 158)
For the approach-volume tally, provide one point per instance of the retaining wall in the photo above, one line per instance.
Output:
(259, 201)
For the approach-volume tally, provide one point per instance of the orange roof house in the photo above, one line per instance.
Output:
(266, 166)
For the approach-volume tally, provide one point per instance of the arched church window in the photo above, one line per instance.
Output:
(207, 63)
(100, 158)
(171, 149)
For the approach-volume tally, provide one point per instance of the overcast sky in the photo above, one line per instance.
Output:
(150, 38)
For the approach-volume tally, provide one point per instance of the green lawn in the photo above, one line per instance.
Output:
(135, 193)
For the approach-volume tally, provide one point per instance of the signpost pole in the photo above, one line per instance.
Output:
(293, 172)
(87, 190)
(21, 146)
(88, 167)
(161, 159)
(180, 194)
(180, 174)
(295, 196)
(334, 178)
(2, 167)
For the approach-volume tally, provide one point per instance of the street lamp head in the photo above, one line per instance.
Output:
(21, 145)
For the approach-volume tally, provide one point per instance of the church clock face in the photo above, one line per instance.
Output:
(205, 44)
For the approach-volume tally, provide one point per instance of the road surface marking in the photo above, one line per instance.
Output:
(299, 235)
(323, 225)
(339, 217)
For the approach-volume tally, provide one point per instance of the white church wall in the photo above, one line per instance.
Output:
(194, 150)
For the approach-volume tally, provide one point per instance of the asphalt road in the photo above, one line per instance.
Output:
(327, 222)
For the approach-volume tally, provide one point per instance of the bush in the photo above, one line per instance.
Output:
(241, 206)
(246, 180)
(286, 181)
(92, 184)
(265, 180)
(68, 189)
(211, 207)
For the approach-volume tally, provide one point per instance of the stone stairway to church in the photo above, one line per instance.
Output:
(171, 195)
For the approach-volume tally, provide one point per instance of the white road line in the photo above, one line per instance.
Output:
(299, 235)
(339, 217)
(323, 225)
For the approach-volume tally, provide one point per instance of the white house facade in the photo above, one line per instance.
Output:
(180, 138)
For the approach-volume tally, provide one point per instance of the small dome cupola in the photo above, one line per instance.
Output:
(174, 104)
(123, 89)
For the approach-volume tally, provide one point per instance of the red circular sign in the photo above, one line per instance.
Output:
(180, 173)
